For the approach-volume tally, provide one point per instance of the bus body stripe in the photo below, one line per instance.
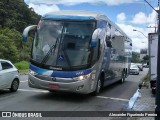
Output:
(62, 74)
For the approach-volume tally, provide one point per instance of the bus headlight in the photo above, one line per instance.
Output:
(32, 72)
(82, 77)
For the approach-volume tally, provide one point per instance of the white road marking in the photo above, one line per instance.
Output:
(120, 99)
(133, 99)
(27, 90)
(24, 81)
(45, 91)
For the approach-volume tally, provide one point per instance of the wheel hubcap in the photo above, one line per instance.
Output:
(99, 86)
(122, 80)
(123, 77)
(15, 85)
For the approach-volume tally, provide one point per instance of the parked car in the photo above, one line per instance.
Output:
(9, 76)
(145, 65)
(134, 69)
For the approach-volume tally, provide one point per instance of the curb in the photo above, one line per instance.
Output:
(133, 99)
(23, 73)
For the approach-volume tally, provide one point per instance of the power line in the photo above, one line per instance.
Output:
(151, 5)
(145, 11)
(149, 15)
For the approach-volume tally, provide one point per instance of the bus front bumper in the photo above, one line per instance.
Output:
(83, 86)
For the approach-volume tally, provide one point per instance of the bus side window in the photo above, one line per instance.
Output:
(96, 52)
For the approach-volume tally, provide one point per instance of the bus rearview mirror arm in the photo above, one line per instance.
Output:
(95, 37)
(26, 31)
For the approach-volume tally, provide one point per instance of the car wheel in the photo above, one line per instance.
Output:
(15, 85)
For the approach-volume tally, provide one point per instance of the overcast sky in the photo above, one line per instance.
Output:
(127, 14)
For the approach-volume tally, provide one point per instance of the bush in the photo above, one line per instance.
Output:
(145, 81)
(23, 65)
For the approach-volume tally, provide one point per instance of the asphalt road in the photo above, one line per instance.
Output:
(113, 98)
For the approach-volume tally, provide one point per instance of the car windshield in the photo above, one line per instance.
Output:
(134, 66)
(63, 44)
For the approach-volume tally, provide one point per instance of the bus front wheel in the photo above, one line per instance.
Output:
(123, 77)
(98, 87)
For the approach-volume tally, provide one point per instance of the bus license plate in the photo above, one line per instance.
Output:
(55, 86)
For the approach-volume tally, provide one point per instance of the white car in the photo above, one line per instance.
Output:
(134, 69)
(9, 76)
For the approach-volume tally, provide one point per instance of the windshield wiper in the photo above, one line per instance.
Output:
(51, 49)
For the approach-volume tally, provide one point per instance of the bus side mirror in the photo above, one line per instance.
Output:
(26, 31)
(95, 37)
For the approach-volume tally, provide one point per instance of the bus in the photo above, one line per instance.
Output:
(77, 51)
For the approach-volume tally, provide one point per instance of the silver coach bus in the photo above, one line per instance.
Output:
(77, 51)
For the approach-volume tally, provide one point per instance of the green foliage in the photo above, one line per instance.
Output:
(8, 49)
(146, 81)
(14, 17)
(23, 65)
(135, 57)
(11, 46)
(146, 58)
(16, 14)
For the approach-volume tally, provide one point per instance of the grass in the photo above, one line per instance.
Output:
(23, 71)
(145, 81)
(22, 66)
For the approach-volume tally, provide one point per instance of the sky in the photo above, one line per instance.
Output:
(127, 14)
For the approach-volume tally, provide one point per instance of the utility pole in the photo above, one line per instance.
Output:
(153, 27)
(157, 110)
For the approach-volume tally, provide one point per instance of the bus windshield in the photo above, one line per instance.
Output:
(63, 44)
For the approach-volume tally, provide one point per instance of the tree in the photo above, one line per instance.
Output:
(8, 50)
(14, 17)
(146, 58)
(135, 57)
(16, 14)
(11, 46)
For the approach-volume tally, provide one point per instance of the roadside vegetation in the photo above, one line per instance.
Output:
(15, 16)
(22, 66)
(145, 81)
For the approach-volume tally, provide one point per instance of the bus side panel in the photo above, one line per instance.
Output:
(128, 55)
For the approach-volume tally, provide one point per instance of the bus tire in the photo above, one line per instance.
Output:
(98, 87)
(126, 73)
(123, 77)
(51, 91)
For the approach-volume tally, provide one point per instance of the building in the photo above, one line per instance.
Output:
(143, 52)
